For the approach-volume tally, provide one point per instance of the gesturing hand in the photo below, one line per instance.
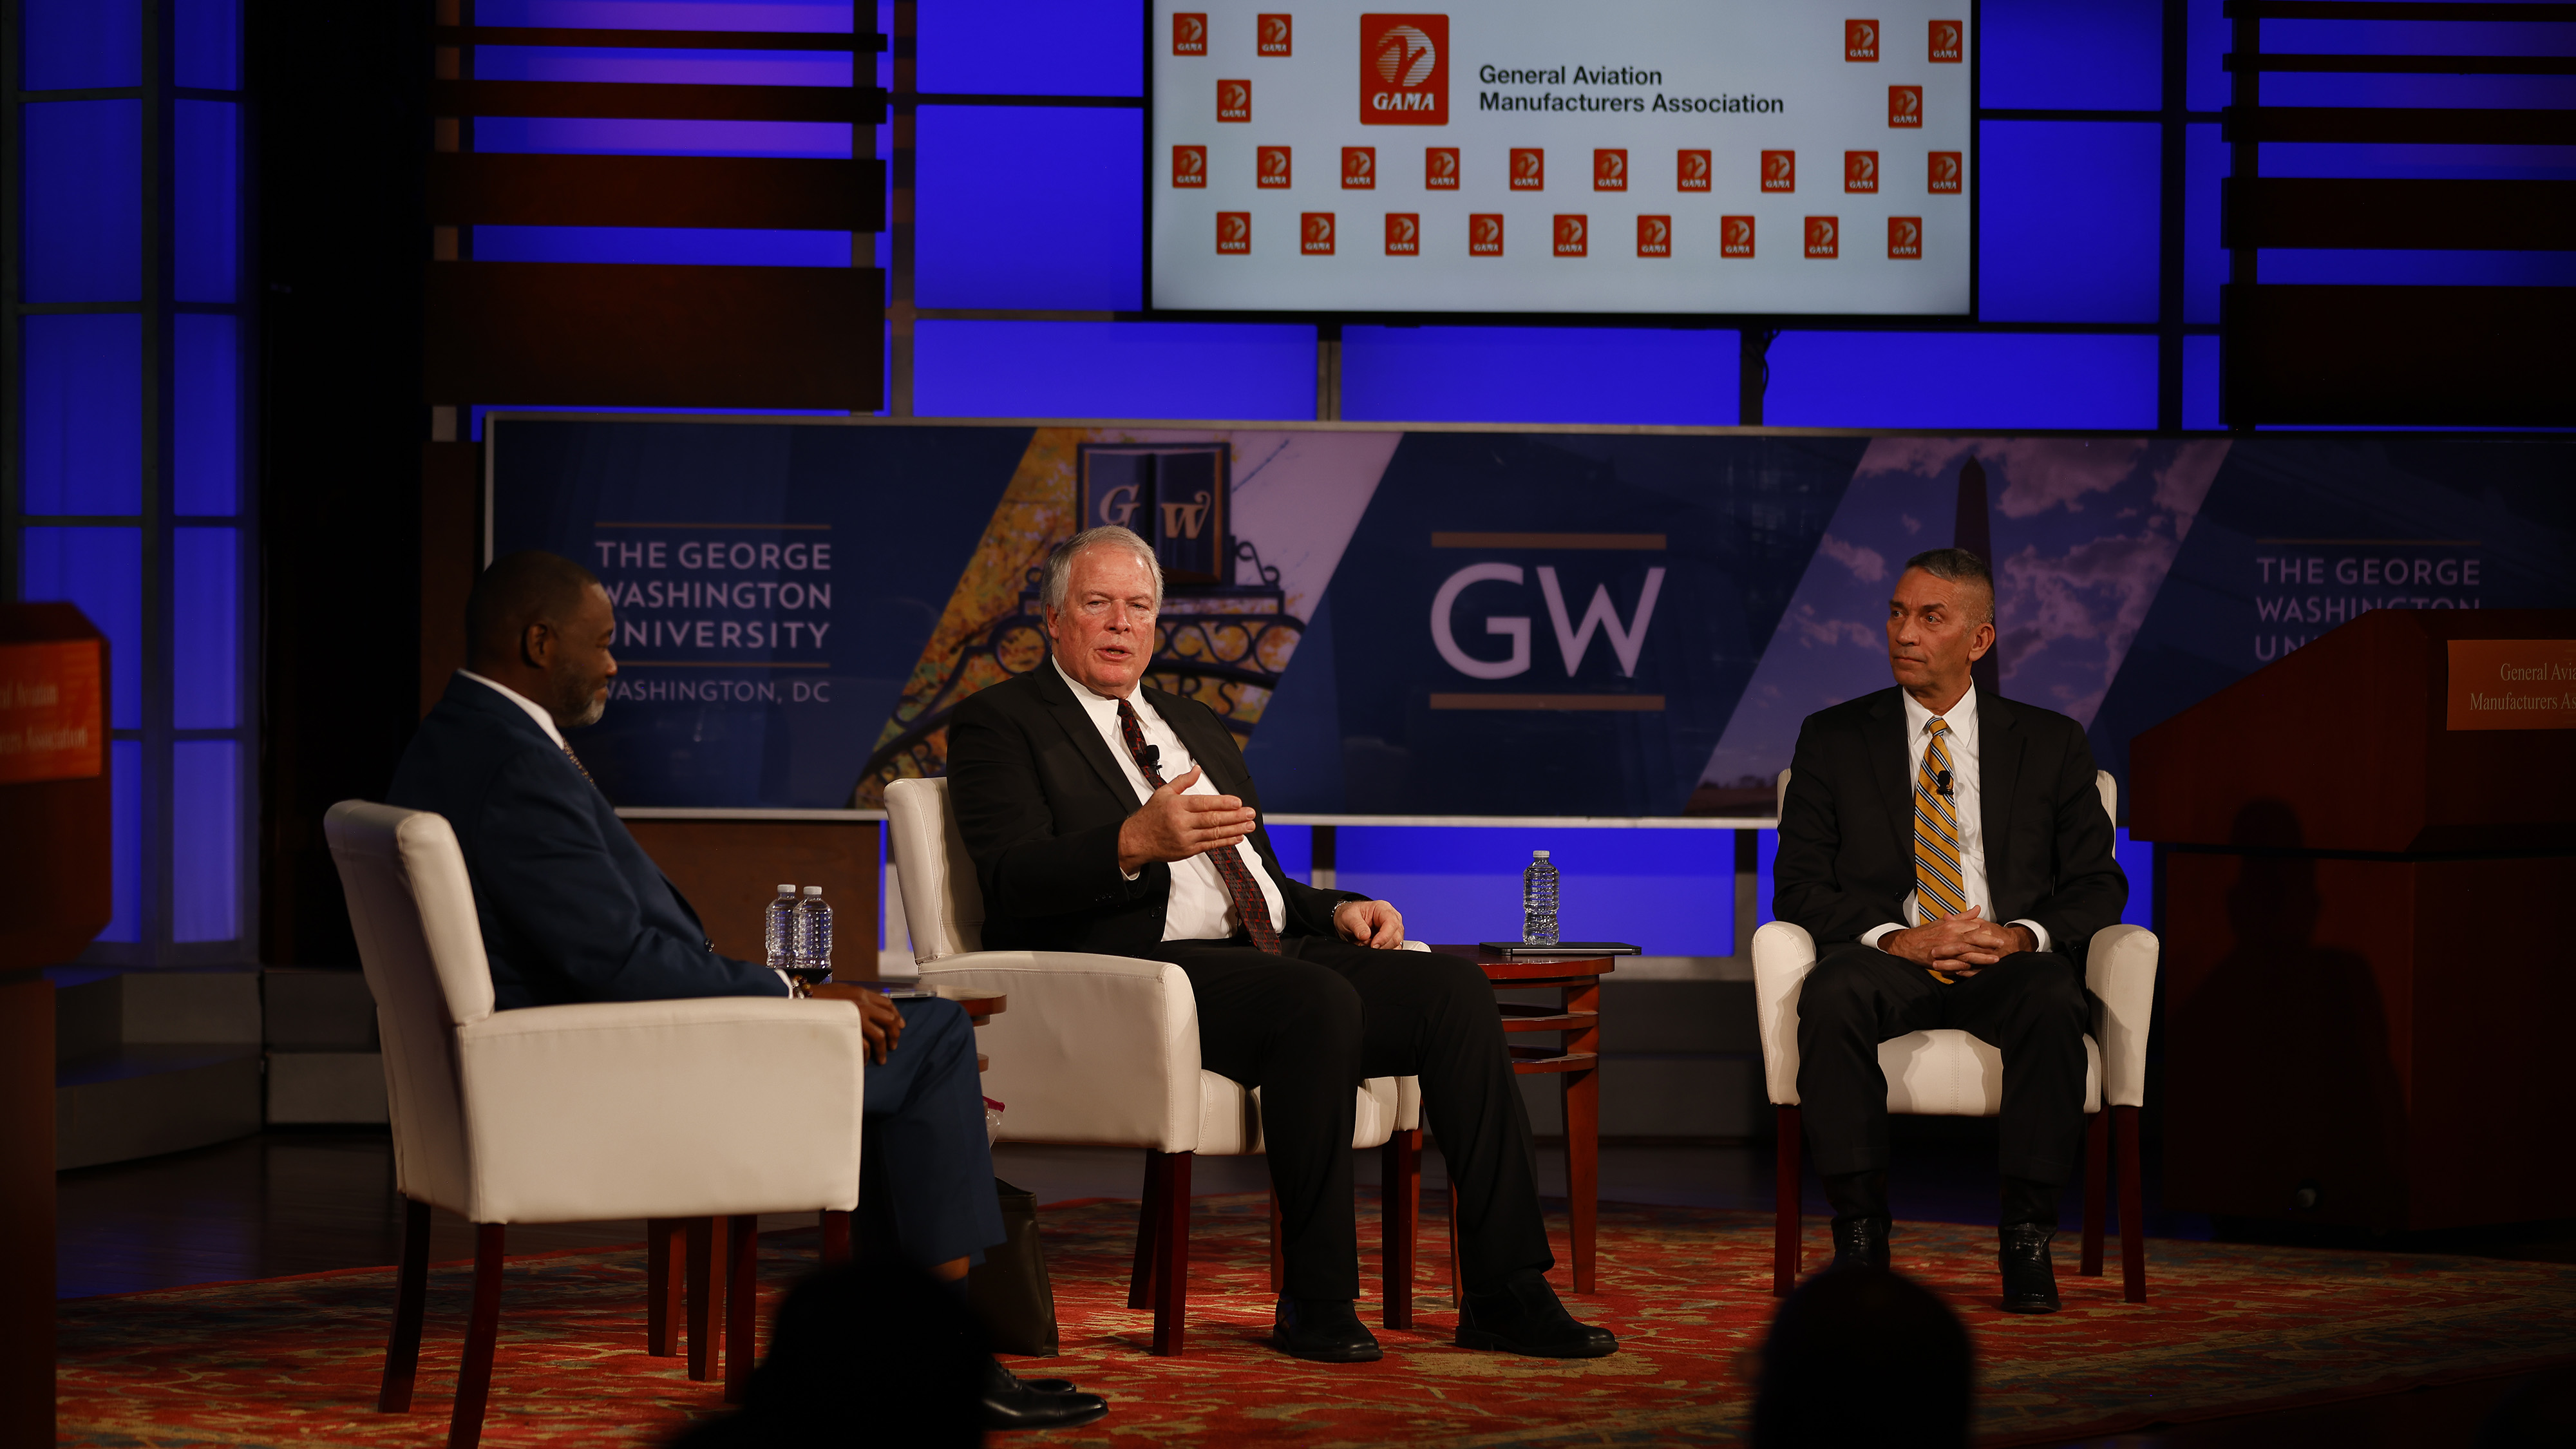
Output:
(1174, 826)
(880, 1020)
(1370, 923)
(1960, 945)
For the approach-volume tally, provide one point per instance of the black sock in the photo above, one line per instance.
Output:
(2029, 1202)
(1857, 1195)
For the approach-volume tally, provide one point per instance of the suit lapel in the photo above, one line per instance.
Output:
(1196, 730)
(1890, 753)
(1076, 723)
(1999, 744)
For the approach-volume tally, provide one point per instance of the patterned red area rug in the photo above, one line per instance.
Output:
(293, 1361)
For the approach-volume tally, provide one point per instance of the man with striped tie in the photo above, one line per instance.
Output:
(1949, 853)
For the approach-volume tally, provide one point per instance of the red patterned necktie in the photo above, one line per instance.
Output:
(1249, 906)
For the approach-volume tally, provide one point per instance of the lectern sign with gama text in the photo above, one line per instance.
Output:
(2512, 684)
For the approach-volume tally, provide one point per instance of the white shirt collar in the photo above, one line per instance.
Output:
(1087, 696)
(1962, 719)
(544, 720)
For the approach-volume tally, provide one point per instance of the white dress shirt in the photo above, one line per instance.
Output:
(1962, 748)
(1201, 908)
(544, 720)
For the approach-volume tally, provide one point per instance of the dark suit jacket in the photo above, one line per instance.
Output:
(1846, 860)
(1040, 799)
(572, 908)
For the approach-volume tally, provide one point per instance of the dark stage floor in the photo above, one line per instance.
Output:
(309, 1200)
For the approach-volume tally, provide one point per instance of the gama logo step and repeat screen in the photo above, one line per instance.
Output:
(1754, 156)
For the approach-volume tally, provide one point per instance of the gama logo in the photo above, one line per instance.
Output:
(1234, 100)
(1860, 40)
(1905, 107)
(1949, 39)
(1189, 33)
(1404, 234)
(1189, 167)
(1860, 171)
(1315, 234)
(1654, 236)
(1234, 233)
(1609, 170)
(1779, 170)
(1439, 168)
(1273, 33)
(1824, 237)
(1572, 235)
(1949, 171)
(1359, 168)
(1904, 237)
(1273, 169)
(1529, 168)
(1692, 171)
(1485, 234)
(1735, 236)
(1404, 70)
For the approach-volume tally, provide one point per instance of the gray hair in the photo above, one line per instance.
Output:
(1958, 566)
(1059, 561)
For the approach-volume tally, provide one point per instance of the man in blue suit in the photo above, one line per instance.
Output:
(573, 910)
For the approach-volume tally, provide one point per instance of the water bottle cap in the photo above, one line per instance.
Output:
(813, 890)
(1540, 854)
(789, 889)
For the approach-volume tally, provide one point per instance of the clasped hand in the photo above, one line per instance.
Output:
(1960, 945)
(880, 1020)
(1175, 826)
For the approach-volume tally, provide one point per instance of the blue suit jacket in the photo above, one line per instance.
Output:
(573, 909)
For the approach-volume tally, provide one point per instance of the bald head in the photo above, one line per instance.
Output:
(541, 625)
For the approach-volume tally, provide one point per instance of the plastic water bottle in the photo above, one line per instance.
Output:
(781, 928)
(1538, 901)
(812, 947)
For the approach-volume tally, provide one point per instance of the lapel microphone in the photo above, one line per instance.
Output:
(1153, 758)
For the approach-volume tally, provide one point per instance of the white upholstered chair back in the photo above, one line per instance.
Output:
(942, 904)
(421, 943)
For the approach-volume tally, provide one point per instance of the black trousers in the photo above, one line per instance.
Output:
(925, 1160)
(2029, 1006)
(1306, 1027)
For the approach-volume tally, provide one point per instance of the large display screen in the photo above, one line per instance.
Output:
(1760, 157)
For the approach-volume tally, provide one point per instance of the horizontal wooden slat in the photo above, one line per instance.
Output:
(655, 336)
(2402, 125)
(2398, 356)
(469, 188)
(657, 39)
(2408, 64)
(859, 105)
(2392, 10)
(2305, 211)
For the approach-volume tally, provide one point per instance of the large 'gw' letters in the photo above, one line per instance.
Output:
(1573, 640)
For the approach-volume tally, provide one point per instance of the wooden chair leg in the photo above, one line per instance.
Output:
(1172, 1257)
(2097, 1189)
(836, 1237)
(2133, 1212)
(1278, 1257)
(706, 1296)
(411, 1298)
(1149, 1216)
(742, 1303)
(1400, 1216)
(666, 1255)
(482, 1332)
(1786, 1224)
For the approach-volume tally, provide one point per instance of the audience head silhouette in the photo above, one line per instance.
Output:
(876, 1352)
(1864, 1359)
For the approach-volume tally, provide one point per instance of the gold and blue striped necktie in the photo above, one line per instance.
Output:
(1940, 885)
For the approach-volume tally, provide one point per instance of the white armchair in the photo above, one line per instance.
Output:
(651, 1109)
(1104, 1051)
(1950, 1073)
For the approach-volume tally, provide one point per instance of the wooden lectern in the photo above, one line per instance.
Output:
(56, 894)
(2367, 851)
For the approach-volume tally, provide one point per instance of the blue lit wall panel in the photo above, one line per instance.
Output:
(1766, 850)
(1065, 234)
(2291, 88)
(83, 216)
(1112, 370)
(82, 413)
(575, 136)
(126, 839)
(2066, 221)
(2104, 55)
(2137, 860)
(1963, 380)
(662, 67)
(206, 180)
(2415, 37)
(205, 840)
(207, 44)
(666, 245)
(1539, 375)
(1671, 892)
(2435, 163)
(205, 628)
(205, 408)
(81, 44)
(2396, 268)
(807, 16)
(2206, 160)
(2200, 382)
(2207, 86)
(100, 569)
(1036, 48)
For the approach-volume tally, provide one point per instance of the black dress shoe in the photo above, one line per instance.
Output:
(1010, 1403)
(2030, 1280)
(1525, 1317)
(1323, 1330)
(1860, 1243)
